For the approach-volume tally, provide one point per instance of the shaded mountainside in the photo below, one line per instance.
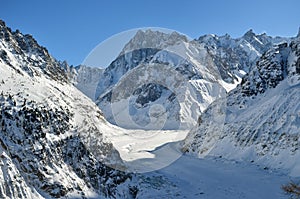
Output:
(259, 121)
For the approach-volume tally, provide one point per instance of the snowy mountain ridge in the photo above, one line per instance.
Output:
(210, 65)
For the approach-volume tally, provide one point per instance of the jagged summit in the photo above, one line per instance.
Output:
(2, 23)
(33, 59)
(25, 42)
(152, 39)
(249, 33)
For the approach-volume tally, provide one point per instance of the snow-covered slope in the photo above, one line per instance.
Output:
(84, 78)
(259, 120)
(51, 135)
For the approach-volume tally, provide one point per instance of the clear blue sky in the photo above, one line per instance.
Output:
(70, 29)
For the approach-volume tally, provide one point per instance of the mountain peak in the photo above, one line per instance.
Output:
(4, 30)
(298, 35)
(148, 33)
(2, 23)
(20, 47)
(152, 39)
(249, 33)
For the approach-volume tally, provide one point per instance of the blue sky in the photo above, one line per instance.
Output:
(71, 29)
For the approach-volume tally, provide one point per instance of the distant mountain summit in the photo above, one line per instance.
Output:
(152, 39)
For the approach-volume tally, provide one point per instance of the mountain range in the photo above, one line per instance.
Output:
(236, 97)
(209, 66)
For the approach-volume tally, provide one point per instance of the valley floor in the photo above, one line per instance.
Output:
(166, 173)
